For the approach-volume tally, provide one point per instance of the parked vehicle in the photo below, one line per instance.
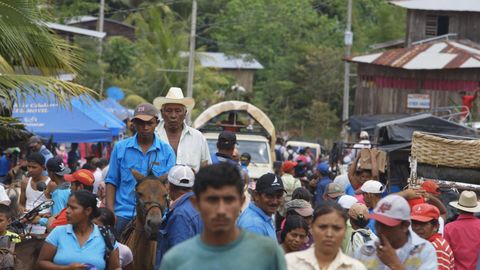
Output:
(255, 132)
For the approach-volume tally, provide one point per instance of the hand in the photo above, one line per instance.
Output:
(76, 266)
(386, 253)
(36, 219)
(412, 193)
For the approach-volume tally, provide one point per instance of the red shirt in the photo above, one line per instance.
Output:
(463, 235)
(60, 218)
(467, 101)
(444, 253)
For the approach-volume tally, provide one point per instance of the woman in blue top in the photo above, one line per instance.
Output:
(79, 244)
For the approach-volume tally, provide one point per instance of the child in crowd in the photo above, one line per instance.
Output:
(358, 214)
(5, 219)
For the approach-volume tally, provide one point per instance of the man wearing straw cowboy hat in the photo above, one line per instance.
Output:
(190, 146)
(463, 234)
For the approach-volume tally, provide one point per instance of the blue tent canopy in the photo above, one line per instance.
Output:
(45, 117)
(115, 108)
(95, 111)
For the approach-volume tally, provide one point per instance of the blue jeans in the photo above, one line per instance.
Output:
(121, 225)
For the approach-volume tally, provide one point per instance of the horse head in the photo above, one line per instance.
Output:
(151, 195)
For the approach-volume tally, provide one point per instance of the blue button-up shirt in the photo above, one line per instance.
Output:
(253, 219)
(181, 223)
(127, 155)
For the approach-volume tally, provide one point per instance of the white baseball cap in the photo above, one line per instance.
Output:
(346, 201)
(181, 175)
(391, 210)
(372, 186)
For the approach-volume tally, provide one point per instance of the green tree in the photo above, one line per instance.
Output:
(27, 48)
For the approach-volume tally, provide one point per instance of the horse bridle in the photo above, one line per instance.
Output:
(153, 204)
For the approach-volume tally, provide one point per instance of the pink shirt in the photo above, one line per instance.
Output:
(463, 235)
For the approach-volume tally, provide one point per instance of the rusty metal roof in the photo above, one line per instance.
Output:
(444, 5)
(430, 56)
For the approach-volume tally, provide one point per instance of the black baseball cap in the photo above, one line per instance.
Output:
(227, 138)
(56, 165)
(269, 183)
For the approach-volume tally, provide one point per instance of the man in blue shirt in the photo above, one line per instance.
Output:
(225, 146)
(183, 220)
(57, 189)
(132, 159)
(36, 145)
(322, 184)
(267, 196)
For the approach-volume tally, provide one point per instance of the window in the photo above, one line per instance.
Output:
(436, 25)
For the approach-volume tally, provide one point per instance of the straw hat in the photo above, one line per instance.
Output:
(174, 96)
(467, 202)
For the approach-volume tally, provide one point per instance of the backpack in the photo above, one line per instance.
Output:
(109, 239)
(366, 237)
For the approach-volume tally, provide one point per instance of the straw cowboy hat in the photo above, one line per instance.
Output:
(174, 96)
(467, 202)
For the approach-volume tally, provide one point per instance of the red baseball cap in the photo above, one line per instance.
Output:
(288, 165)
(425, 212)
(431, 187)
(83, 176)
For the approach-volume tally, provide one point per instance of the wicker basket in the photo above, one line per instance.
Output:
(439, 151)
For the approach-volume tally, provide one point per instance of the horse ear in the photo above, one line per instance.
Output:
(137, 175)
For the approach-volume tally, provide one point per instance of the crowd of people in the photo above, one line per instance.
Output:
(307, 214)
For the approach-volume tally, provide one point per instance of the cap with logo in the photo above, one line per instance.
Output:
(425, 212)
(145, 112)
(372, 186)
(56, 166)
(227, 138)
(358, 211)
(391, 210)
(181, 175)
(83, 176)
(346, 201)
(269, 183)
(334, 190)
(300, 206)
(431, 187)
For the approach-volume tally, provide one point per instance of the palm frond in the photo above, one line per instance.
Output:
(27, 43)
(12, 131)
(27, 85)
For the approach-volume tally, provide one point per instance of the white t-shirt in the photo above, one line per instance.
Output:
(98, 176)
(4, 196)
(125, 254)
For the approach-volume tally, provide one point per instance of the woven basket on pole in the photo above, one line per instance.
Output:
(439, 151)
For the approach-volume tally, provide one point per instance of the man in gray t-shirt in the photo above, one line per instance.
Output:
(222, 245)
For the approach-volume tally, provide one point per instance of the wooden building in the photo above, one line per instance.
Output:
(241, 68)
(429, 72)
(432, 18)
(111, 27)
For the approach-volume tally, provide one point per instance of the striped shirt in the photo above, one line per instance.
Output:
(444, 253)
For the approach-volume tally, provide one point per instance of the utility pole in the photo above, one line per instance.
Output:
(100, 46)
(191, 55)
(348, 49)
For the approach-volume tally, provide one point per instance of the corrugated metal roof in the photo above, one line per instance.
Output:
(444, 5)
(75, 30)
(431, 56)
(88, 18)
(223, 61)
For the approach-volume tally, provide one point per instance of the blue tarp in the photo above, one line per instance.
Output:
(115, 108)
(45, 117)
(95, 111)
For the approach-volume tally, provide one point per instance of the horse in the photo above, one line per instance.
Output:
(141, 233)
